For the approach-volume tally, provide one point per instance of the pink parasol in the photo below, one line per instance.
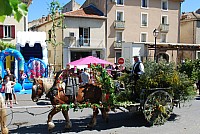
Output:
(89, 60)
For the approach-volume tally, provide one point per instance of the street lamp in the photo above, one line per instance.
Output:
(155, 34)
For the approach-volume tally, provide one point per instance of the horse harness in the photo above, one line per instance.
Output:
(39, 86)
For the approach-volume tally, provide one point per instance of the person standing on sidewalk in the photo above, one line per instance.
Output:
(8, 90)
(12, 78)
(85, 76)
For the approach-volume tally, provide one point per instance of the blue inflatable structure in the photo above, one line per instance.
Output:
(33, 68)
(16, 54)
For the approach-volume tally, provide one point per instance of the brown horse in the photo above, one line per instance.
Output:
(57, 94)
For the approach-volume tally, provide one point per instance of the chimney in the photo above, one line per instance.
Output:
(73, 5)
(43, 18)
(48, 17)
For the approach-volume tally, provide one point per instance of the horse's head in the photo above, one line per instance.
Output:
(37, 89)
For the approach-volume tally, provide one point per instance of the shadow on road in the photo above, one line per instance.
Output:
(116, 120)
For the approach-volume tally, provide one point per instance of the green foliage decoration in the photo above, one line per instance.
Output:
(105, 82)
(162, 75)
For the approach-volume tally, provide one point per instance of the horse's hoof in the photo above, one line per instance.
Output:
(68, 125)
(51, 125)
(91, 125)
(5, 131)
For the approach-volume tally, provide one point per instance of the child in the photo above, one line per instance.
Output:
(8, 90)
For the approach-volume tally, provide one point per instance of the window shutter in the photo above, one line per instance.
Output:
(1, 31)
(13, 31)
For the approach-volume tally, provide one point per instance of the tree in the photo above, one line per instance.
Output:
(12, 7)
(55, 12)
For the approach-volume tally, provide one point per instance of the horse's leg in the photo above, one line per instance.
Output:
(104, 112)
(94, 118)
(68, 122)
(3, 117)
(51, 125)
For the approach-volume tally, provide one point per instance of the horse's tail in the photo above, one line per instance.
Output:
(4, 129)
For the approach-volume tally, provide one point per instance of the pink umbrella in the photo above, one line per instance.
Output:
(89, 60)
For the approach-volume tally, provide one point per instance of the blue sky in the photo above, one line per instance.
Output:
(39, 7)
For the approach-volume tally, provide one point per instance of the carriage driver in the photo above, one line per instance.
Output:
(138, 69)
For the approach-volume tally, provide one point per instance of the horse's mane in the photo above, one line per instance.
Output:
(58, 74)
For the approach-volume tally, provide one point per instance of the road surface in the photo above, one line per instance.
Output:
(184, 120)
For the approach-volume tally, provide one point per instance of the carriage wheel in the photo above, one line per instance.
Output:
(158, 107)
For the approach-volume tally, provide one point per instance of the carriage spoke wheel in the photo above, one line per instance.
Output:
(158, 107)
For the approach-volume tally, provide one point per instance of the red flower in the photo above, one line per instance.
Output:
(107, 96)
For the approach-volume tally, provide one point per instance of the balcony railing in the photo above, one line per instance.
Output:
(84, 42)
(118, 44)
(164, 28)
(73, 42)
(69, 41)
(119, 24)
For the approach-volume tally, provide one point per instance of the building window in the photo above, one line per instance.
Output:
(84, 36)
(164, 19)
(118, 54)
(120, 2)
(144, 20)
(144, 3)
(120, 16)
(49, 33)
(198, 55)
(164, 4)
(118, 37)
(143, 37)
(7, 31)
(198, 24)
(163, 38)
(71, 34)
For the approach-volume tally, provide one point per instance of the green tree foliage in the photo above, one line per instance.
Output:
(55, 12)
(12, 7)
(3, 46)
(191, 69)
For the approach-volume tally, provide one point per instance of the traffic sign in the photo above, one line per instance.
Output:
(120, 60)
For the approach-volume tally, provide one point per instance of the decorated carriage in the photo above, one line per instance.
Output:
(160, 89)
(157, 91)
(155, 103)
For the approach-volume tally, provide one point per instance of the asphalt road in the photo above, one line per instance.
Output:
(27, 120)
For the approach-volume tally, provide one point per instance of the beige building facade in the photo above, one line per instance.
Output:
(83, 36)
(190, 33)
(134, 21)
(10, 27)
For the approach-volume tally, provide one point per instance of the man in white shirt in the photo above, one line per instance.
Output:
(138, 69)
(85, 76)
